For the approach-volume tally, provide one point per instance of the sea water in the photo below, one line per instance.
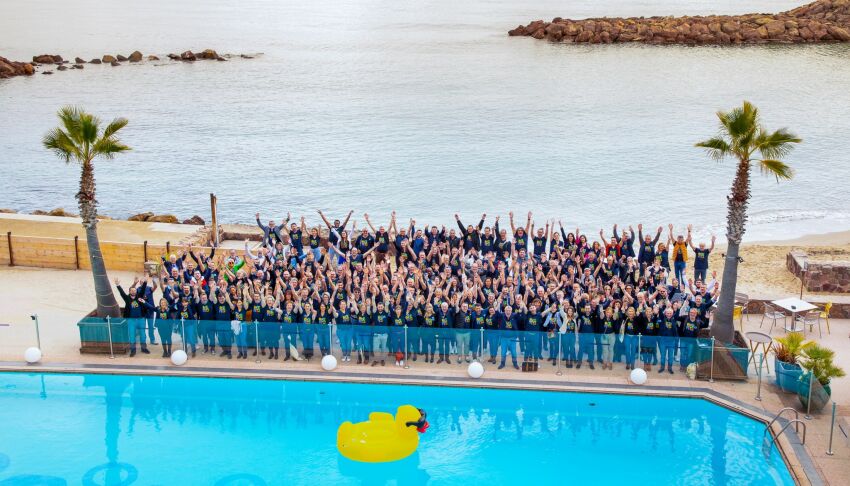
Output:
(424, 107)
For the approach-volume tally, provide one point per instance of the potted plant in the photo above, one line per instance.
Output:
(817, 361)
(786, 351)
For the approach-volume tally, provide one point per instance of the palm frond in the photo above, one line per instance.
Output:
(716, 147)
(70, 118)
(58, 141)
(117, 124)
(108, 147)
(776, 168)
(777, 144)
(89, 126)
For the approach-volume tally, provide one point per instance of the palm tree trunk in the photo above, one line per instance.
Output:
(106, 303)
(723, 327)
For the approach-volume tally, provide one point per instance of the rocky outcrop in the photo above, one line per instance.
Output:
(120, 58)
(10, 69)
(95, 61)
(820, 21)
(61, 212)
(153, 58)
(140, 217)
(108, 59)
(79, 60)
(188, 56)
(196, 220)
(48, 59)
(164, 218)
(136, 56)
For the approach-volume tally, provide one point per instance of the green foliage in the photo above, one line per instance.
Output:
(818, 360)
(79, 137)
(789, 347)
(742, 136)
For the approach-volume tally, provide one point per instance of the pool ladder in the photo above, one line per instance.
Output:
(796, 423)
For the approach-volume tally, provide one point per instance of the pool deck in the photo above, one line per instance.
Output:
(68, 295)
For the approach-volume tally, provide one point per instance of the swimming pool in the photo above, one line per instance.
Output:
(125, 429)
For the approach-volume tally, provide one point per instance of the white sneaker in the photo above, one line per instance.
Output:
(402, 363)
(396, 362)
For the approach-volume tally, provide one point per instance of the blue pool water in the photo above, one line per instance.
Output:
(119, 429)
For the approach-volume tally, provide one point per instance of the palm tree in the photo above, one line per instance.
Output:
(743, 138)
(80, 139)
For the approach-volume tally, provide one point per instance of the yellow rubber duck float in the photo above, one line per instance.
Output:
(382, 438)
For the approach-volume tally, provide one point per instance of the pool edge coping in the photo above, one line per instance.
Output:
(796, 457)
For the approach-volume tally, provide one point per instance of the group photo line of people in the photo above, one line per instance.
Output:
(393, 293)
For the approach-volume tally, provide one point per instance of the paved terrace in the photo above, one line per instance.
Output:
(63, 296)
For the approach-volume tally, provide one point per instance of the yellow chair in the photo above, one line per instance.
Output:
(738, 313)
(825, 315)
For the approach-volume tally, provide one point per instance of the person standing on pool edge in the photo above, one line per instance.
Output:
(667, 339)
(509, 326)
(134, 312)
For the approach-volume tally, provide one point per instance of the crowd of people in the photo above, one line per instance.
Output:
(444, 295)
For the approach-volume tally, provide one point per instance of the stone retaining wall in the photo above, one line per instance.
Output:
(833, 277)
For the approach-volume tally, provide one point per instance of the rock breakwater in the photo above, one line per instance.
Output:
(820, 21)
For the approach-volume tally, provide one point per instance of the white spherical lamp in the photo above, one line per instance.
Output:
(32, 355)
(179, 357)
(475, 369)
(638, 376)
(329, 363)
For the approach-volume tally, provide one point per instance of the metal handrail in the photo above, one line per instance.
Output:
(795, 421)
(779, 414)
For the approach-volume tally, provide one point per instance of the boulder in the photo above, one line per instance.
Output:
(188, 56)
(121, 58)
(108, 59)
(62, 68)
(10, 69)
(39, 212)
(245, 56)
(539, 33)
(79, 60)
(58, 59)
(7, 211)
(95, 61)
(164, 218)
(196, 220)
(140, 217)
(43, 59)
(208, 54)
(838, 33)
(219, 58)
(775, 28)
(47, 72)
(153, 58)
(114, 63)
(174, 57)
(136, 56)
(61, 212)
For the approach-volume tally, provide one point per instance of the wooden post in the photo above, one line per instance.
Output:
(9, 242)
(77, 251)
(213, 210)
(167, 248)
(145, 247)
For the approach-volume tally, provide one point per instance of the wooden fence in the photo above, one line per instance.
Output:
(72, 253)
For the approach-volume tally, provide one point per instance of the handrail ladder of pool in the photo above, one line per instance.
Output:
(781, 431)
(779, 414)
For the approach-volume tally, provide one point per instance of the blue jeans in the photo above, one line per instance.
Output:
(136, 325)
(586, 345)
(679, 268)
(344, 333)
(631, 349)
(508, 344)
(190, 335)
(668, 351)
(568, 346)
(242, 337)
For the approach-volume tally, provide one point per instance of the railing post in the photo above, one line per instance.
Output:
(758, 390)
(77, 251)
(9, 243)
(257, 337)
(167, 248)
(481, 346)
(809, 401)
(331, 337)
(406, 364)
(183, 334)
(711, 375)
(639, 353)
(829, 451)
(37, 333)
(145, 250)
(109, 333)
